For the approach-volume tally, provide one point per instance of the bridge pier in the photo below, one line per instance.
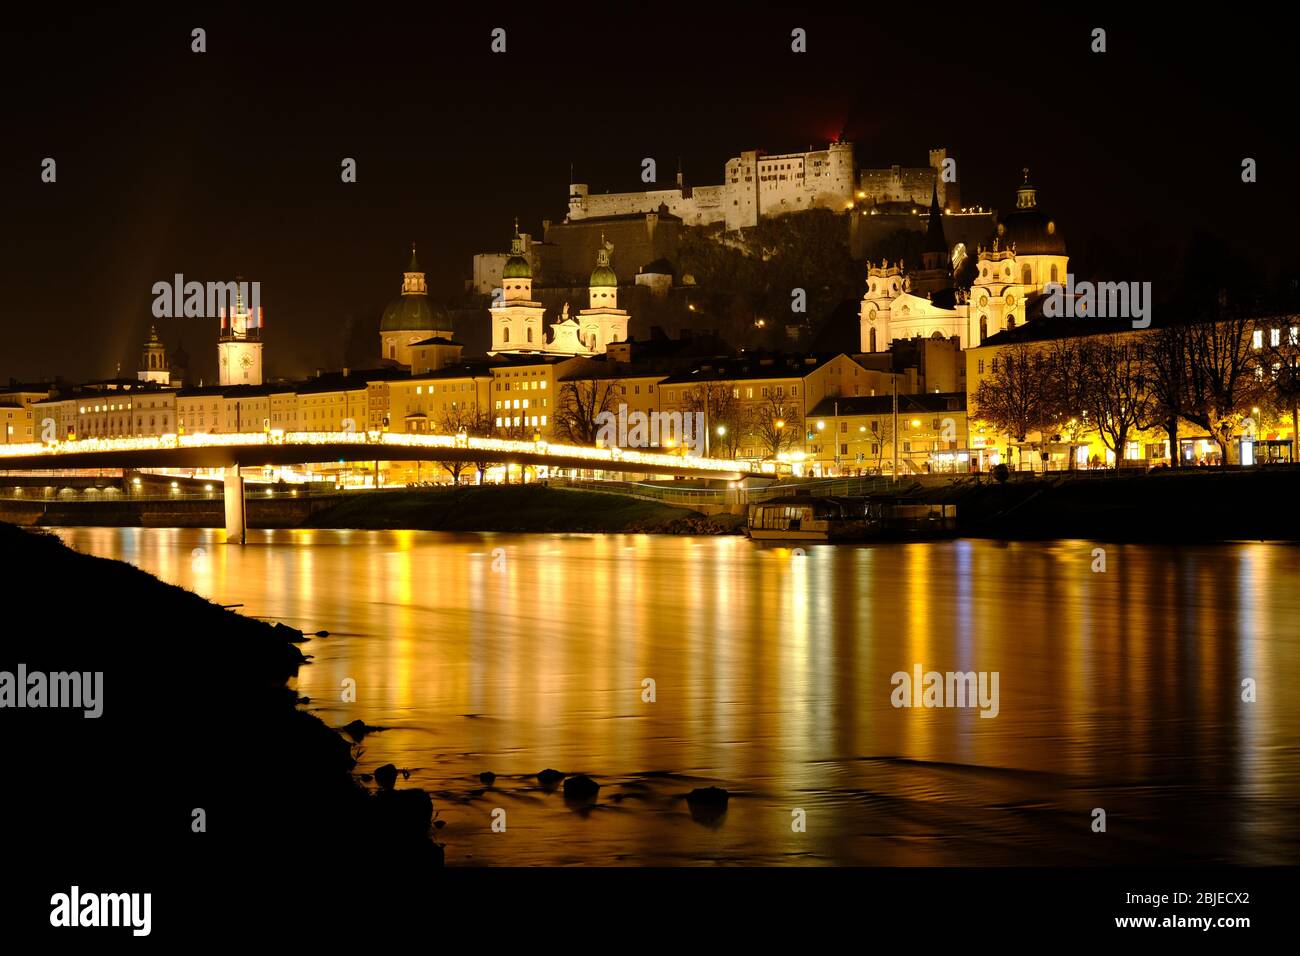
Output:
(236, 516)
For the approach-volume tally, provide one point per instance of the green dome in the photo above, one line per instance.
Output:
(517, 268)
(603, 276)
(412, 313)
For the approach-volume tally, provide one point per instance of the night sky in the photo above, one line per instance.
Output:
(228, 162)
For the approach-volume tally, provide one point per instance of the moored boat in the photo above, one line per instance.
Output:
(808, 518)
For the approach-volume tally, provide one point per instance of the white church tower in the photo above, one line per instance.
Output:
(885, 283)
(516, 318)
(604, 323)
(239, 347)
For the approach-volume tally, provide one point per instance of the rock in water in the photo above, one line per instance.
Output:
(488, 777)
(708, 797)
(290, 634)
(708, 806)
(358, 729)
(580, 787)
(549, 777)
(386, 776)
(322, 633)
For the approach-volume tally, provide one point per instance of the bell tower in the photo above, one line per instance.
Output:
(604, 323)
(239, 347)
(153, 360)
(516, 318)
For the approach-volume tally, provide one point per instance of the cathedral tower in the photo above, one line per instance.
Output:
(153, 360)
(410, 319)
(604, 323)
(516, 318)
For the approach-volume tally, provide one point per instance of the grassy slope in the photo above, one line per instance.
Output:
(510, 508)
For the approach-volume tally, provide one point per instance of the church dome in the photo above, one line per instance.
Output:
(1031, 230)
(1033, 234)
(412, 313)
(517, 267)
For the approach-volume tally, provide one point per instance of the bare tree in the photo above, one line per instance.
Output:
(1068, 374)
(1114, 389)
(774, 424)
(580, 405)
(1165, 360)
(882, 435)
(479, 424)
(457, 419)
(1225, 376)
(720, 405)
(1018, 398)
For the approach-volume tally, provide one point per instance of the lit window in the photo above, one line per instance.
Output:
(1257, 339)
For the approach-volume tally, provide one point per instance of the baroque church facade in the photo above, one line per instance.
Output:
(518, 321)
(1026, 256)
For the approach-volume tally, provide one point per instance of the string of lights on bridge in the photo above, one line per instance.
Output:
(463, 442)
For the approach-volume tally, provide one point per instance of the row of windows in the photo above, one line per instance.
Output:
(419, 389)
(1275, 337)
(536, 421)
(777, 391)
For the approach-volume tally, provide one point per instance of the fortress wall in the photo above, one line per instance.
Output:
(568, 252)
(903, 185)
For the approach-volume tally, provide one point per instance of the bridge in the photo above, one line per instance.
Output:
(234, 451)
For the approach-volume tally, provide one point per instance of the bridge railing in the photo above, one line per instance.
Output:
(669, 494)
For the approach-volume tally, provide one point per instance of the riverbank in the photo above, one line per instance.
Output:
(1182, 505)
(247, 783)
(1170, 505)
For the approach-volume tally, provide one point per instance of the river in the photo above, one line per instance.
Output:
(1119, 690)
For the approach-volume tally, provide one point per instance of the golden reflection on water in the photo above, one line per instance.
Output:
(771, 671)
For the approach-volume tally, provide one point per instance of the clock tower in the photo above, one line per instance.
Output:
(239, 348)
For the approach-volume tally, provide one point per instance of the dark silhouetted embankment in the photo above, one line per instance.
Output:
(197, 723)
(1202, 504)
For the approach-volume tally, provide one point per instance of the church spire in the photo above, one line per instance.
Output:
(935, 251)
